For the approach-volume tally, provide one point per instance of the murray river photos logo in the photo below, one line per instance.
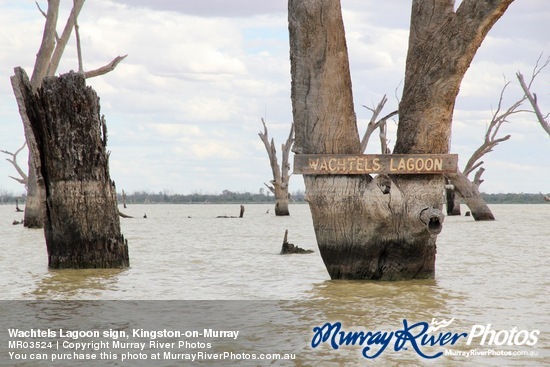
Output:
(418, 337)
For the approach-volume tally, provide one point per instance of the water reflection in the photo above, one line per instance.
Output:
(76, 283)
(371, 306)
(366, 300)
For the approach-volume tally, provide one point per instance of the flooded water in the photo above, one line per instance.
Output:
(486, 273)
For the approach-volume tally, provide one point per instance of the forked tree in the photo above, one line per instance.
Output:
(364, 229)
(281, 176)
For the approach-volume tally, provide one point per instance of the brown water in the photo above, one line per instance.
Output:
(487, 273)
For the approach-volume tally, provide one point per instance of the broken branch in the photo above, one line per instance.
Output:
(104, 69)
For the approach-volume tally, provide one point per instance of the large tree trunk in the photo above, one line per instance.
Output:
(361, 231)
(82, 226)
(364, 230)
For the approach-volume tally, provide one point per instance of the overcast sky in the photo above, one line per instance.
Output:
(183, 109)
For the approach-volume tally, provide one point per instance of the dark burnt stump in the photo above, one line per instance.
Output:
(82, 226)
(289, 248)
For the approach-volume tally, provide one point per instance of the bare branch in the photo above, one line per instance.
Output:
(77, 34)
(537, 69)
(104, 69)
(372, 125)
(40, 10)
(491, 139)
(44, 54)
(285, 148)
(271, 152)
(380, 124)
(24, 178)
(62, 41)
(533, 97)
(271, 188)
(383, 130)
(477, 178)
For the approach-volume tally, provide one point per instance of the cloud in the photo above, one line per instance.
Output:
(183, 109)
(213, 8)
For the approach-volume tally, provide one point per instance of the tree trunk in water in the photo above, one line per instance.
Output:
(281, 200)
(453, 201)
(456, 206)
(82, 226)
(472, 197)
(364, 230)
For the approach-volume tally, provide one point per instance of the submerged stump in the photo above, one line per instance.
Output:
(82, 226)
(289, 248)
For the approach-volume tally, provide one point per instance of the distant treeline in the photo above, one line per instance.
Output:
(296, 197)
(226, 196)
(513, 198)
(144, 197)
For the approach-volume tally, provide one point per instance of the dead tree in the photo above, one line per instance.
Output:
(380, 125)
(23, 178)
(47, 61)
(532, 97)
(366, 230)
(82, 226)
(289, 248)
(281, 177)
(468, 189)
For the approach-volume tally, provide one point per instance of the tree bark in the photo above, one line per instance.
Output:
(82, 227)
(383, 228)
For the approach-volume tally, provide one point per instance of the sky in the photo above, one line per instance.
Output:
(184, 108)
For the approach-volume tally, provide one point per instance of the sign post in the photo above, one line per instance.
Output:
(361, 164)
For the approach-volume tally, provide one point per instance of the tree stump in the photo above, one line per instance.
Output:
(289, 248)
(82, 226)
(452, 199)
(17, 209)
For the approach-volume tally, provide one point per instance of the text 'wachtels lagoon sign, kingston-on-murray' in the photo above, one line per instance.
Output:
(345, 164)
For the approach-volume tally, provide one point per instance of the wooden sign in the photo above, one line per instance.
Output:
(345, 164)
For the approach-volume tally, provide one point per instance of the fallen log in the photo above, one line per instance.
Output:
(241, 214)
